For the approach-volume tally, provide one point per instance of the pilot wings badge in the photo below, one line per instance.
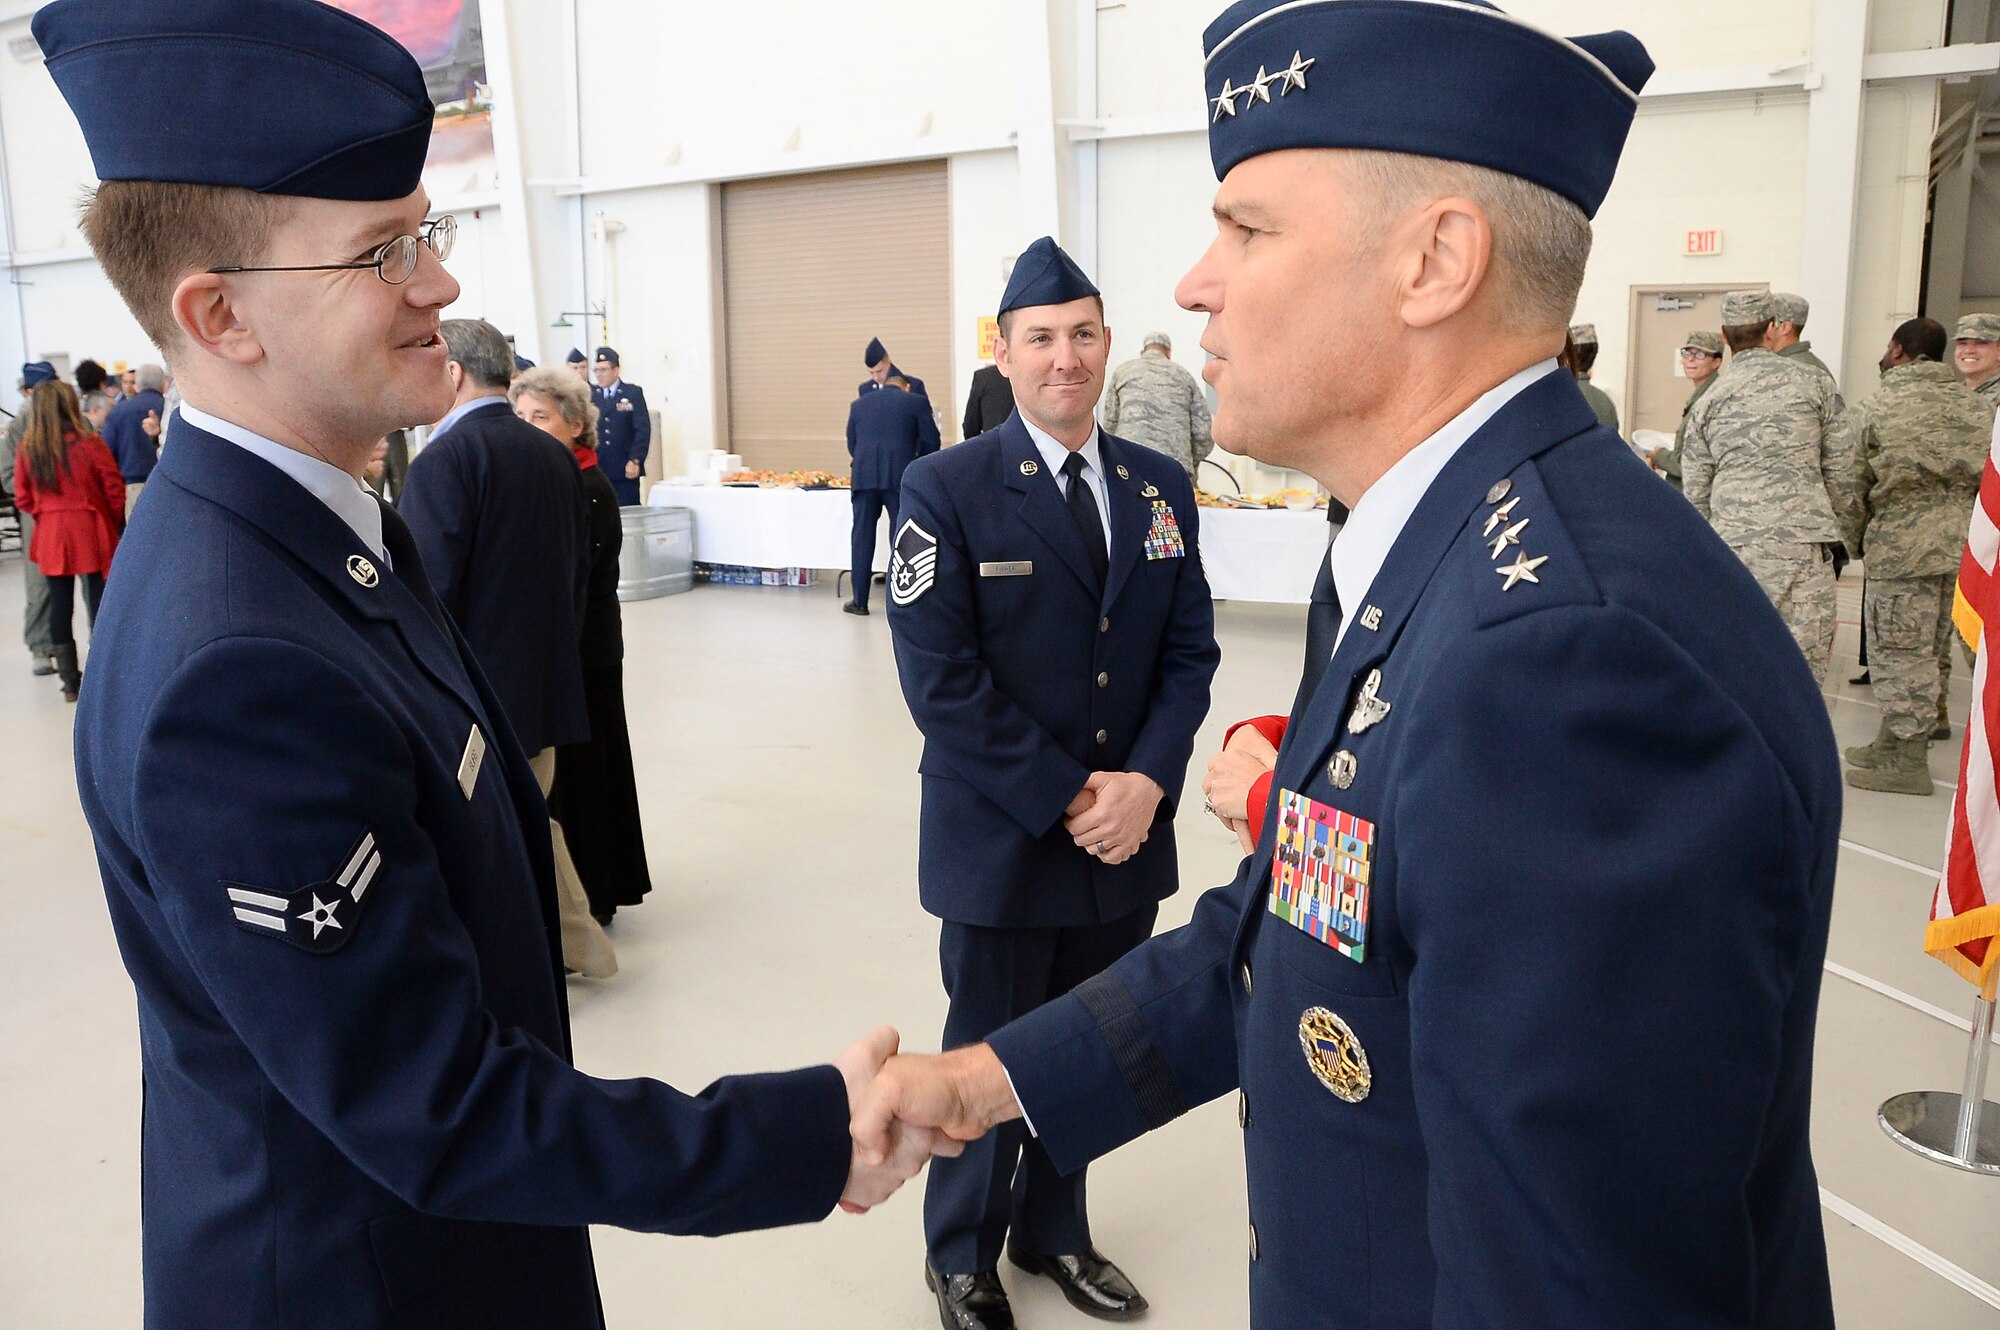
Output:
(1370, 707)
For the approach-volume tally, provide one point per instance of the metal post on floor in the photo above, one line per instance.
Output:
(1960, 1130)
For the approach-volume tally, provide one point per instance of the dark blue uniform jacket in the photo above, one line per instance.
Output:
(1024, 679)
(497, 510)
(1605, 808)
(360, 1109)
(885, 433)
(624, 434)
(124, 432)
(917, 388)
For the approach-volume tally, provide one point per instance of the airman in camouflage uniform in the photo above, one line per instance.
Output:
(1923, 443)
(1769, 460)
(1788, 323)
(1152, 400)
(1583, 337)
(1701, 360)
(1978, 355)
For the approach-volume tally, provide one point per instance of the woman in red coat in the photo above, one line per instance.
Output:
(64, 476)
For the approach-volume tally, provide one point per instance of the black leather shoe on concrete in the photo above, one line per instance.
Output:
(970, 1302)
(851, 608)
(1092, 1284)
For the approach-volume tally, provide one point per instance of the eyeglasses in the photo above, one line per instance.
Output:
(393, 263)
(1689, 353)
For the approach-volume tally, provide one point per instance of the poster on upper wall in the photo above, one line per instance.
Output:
(444, 37)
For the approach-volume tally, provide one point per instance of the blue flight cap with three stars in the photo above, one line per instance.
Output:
(1453, 79)
(151, 82)
(1045, 275)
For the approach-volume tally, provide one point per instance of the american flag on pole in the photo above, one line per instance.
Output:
(1965, 912)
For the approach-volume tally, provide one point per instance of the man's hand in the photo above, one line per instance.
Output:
(1118, 823)
(904, 1150)
(151, 424)
(960, 1095)
(1231, 773)
(1246, 835)
(1085, 797)
(631, 471)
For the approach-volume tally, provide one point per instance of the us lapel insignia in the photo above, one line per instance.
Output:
(1341, 771)
(1371, 617)
(1029, 468)
(1370, 708)
(1335, 1054)
(362, 571)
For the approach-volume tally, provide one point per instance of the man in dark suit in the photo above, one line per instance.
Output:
(624, 427)
(881, 369)
(989, 403)
(1456, 981)
(326, 860)
(885, 433)
(497, 510)
(125, 430)
(1056, 641)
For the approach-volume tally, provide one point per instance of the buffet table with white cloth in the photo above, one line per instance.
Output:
(1249, 553)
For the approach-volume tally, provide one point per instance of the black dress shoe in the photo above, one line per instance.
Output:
(1092, 1284)
(1861, 677)
(970, 1302)
(44, 666)
(851, 608)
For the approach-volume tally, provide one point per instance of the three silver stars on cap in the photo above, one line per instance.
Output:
(1502, 530)
(1259, 88)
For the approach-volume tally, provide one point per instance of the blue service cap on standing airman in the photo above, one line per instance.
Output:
(1456, 79)
(153, 83)
(36, 371)
(522, 364)
(576, 356)
(606, 356)
(1045, 275)
(875, 354)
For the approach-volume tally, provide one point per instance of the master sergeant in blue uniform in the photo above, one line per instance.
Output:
(327, 863)
(1056, 641)
(1518, 989)
(624, 427)
(885, 433)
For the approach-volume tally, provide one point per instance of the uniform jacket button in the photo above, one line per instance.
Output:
(1103, 679)
(1104, 625)
(1253, 1242)
(1243, 1109)
(1246, 977)
(1103, 736)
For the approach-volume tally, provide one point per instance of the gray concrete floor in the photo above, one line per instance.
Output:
(763, 718)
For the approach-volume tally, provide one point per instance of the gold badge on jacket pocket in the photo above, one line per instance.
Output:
(468, 766)
(1335, 1054)
(1015, 568)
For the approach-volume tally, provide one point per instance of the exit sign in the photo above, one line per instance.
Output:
(1703, 244)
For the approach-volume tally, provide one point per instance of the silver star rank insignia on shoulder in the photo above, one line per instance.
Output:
(321, 917)
(1521, 570)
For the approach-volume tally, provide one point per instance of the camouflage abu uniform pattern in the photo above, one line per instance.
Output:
(1769, 461)
(1802, 352)
(1600, 402)
(1152, 400)
(1794, 309)
(1923, 442)
(1669, 458)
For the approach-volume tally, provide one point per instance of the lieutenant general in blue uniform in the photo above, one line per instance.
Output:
(326, 860)
(624, 427)
(885, 433)
(1056, 641)
(875, 358)
(1518, 988)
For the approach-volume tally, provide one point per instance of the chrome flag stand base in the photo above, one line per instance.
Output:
(1961, 1130)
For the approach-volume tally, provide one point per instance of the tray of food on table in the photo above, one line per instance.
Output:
(785, 480)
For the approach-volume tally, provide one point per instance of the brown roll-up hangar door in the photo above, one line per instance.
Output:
(812, 267)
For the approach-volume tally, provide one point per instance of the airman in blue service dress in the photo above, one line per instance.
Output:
(624, 427)
(885, 433)
(1519, 987)
(1029, 662)
(879, 373)
(327, 863)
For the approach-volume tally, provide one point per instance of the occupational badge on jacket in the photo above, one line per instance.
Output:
(1320, 873)
(1163, 538)
(912, 563)
(1335, 1054)
(624, 404)
(320, 918)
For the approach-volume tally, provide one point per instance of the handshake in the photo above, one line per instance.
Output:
(903, 1109)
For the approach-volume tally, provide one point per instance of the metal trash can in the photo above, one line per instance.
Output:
(657, 555)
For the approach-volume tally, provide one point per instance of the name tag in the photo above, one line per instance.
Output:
(1019, 568)
(468, 766)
